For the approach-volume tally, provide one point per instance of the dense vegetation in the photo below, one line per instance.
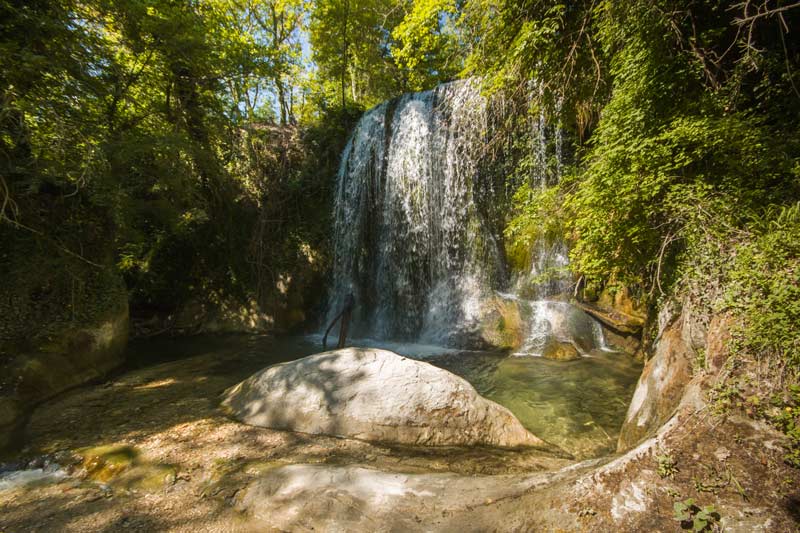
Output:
(686, 182)
(190, 145)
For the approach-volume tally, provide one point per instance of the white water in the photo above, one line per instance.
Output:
(22, 478)
(412, 243)
(564, 323)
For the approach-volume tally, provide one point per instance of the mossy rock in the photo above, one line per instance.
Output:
(11, 417)
(62, 323)
(9, 411)
(104, 463)
(501, 325)
(147, 478)
(121, 466)
(560, 351)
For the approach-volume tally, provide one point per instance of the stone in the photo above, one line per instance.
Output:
(718, 342)
(660, 388)
(122, 467)
(500, 326)
(10, 421)
(620, 300)
(374, 395)
(305, 497)
(73, 357)
(104, 463)
(694, 326)
(564, 323)
(628, 343)
(560, 351)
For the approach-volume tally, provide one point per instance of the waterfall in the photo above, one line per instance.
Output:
(410, 241)
(414, 238)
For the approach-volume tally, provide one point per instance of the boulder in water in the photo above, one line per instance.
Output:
(501, 325)
(374, 395)
(560, 351)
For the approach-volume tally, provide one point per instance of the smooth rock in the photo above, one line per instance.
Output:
(659, 390)
(350, 498)
(561, 322)
(614, 319)
(374, 395)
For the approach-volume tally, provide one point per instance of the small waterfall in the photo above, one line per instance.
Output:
(411, 243)
(562, 322)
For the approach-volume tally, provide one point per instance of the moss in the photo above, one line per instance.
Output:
(122, 466)
(147, 478)
(104, 463)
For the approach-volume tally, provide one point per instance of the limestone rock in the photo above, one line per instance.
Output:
(694, 326)
(73, 357)
(501, 325)
(561, 323)
(306, 497)
(628, 343)
(560, 351)
(374, 395)
(10, 418)
(660, 388)
(719, 337)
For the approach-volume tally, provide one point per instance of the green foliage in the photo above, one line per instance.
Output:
(667, 467)
(144, 122)
(786, 416)
(427, 47)
(537, 215)
(367, 51)
(764, 285)
(684, 180)
(350, 41)
(695, 518)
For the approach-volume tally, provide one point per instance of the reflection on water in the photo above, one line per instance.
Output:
(578, 405)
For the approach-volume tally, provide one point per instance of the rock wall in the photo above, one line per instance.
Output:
(659, 390)
(688, 341)
(289, 304)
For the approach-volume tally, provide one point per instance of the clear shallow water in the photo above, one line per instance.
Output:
(577, 405)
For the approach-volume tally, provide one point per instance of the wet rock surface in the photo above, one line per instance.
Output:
(74, 357)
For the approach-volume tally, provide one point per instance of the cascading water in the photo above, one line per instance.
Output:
(410, 242)
(413, 242)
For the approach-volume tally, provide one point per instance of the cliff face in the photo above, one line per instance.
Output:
(690, 347)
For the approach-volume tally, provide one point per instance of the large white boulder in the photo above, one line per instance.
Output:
(374, 395)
